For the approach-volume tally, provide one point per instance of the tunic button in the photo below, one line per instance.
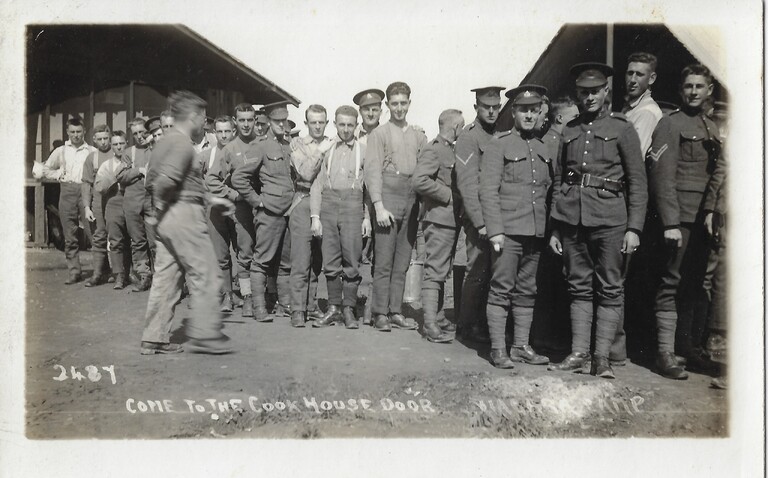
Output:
(534, 172)
(533, 192)
(585, 152)
(694, 136)
(534, 202)
(589, 131)
(534, 181)
(583, 164)
(587, 141)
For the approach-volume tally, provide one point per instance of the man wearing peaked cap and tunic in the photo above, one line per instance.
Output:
(515, 178)
(433, 179)
(598, 210)
(266, 184)
(469, 149)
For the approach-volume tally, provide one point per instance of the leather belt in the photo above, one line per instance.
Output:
(589, 181)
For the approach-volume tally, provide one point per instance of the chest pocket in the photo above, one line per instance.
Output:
(276, 162)
(692, 146)
(544, 169)
(569, 148)
(606, 146)
(515, 165)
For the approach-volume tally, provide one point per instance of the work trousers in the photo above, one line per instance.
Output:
(439, 249)
(306, 257)
(715, 286)
(341, 215)
(270, 229)
(474, 292)
(117, 232)
(184, 249)
(70, 212)
(393, 246)
(98, 227)
(513, 272)
(136, 208)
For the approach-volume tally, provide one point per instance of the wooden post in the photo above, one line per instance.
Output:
(91, 112)
(609, 50)
(131, 106)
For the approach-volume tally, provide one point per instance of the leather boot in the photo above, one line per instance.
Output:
(332, 316)
(226, 302)
(144, 284)
(282, 310)
(573, 363)
(121, 281)
(381, 323)
(247, 306)
(259, 289)
(314, 312)
(99, 265)
(601, 367)
(669, 367)
(350, 321)
(297, 319)
(432, 332)
(500, 359)
(74, 277)
(528, 355)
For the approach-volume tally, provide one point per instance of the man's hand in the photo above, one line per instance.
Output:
(223, 203)
(384, 218)
(89, 215)
(631, 242)
(325, 145)
(483, 233)
(708, 223)
(317, 227)
(367, 227)
(555, 244)
(497, 242)
(674, 236)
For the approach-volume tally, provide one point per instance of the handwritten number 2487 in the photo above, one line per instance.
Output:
(92, 372)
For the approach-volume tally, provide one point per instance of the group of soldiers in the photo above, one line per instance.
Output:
(570, 175)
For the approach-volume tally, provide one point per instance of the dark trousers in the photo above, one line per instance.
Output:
(342, 217)
(681, 288)
(306, 257)
(393, 246)
(70, 213)
(244, 237)
(514, 269)
(270, 230)
(474, 292)
(98, 227)
(439, 249)
(135, 212)
(715, 286)
(184, 251)
(117, 231)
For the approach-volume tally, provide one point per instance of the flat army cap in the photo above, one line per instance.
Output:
(277, 111)
(488, 95)
(261, 116)
(152, 123)
(526, 94)
(368, 97)
(590, 75)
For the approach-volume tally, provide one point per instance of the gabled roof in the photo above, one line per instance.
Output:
(70, 59)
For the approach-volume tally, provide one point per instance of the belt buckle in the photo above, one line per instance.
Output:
(585, 179)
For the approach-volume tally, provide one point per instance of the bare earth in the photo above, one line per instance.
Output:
(313, 383)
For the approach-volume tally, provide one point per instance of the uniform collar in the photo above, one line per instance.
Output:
(528, 135)
(487, 128)
(440, 139)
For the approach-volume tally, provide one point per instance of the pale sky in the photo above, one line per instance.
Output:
(328, 53)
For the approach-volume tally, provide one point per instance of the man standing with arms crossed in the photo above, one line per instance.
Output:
(265, 183)
(218, 179)
(594, 226)
(469, 149)
(515, 178)
(65, 164)
(94, 206)
(389, 163)
(433, 179)
(687, 170)
(184, 248)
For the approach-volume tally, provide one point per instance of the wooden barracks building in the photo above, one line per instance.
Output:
(111, 74)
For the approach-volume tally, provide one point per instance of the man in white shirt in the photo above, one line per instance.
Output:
(65, 164)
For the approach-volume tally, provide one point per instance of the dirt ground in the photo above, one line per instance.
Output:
(313, 383)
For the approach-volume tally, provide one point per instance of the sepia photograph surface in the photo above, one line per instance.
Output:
(441, 363)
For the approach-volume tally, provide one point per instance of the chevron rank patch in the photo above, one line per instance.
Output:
(656, 155)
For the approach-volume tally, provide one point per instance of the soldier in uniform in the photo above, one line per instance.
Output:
(222, 228)
(433, 179)
(65, 164)
(306, 256)
(94, 205)
(106, 185)
(184, 248)
(390, 159)
(469, 149)
(338, 212)
(562, 111)
(218, 180)
(599, 201)
(265, 183)
(686, 173)
(515, 178)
